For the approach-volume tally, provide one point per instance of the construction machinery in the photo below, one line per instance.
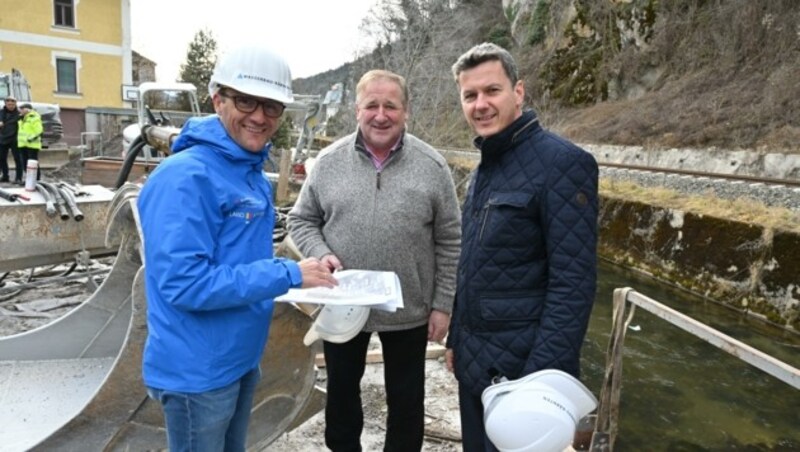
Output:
(15, 84)
(75, 383)
(161, 110)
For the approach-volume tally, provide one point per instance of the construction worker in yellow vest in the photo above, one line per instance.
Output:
(29, 136)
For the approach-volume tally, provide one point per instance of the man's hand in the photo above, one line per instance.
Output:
(449, 359)
(316, 274)
(332, 262)
(438, 322)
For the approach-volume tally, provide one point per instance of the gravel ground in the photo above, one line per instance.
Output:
(442, 422)
(769, 195)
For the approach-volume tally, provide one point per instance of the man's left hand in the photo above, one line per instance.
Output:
(438, 323)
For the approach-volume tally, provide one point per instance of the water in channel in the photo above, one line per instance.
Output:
(680, 393)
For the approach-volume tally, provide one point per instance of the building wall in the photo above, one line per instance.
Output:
(100, 44)
(144, 70)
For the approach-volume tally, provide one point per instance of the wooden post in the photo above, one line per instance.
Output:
(282, 194)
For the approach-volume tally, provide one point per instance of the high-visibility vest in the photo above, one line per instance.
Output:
(30, 131)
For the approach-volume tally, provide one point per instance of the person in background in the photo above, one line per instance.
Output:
(207, 220)
(382, 199)
(527, 274)
(29, 137)
(9, 125)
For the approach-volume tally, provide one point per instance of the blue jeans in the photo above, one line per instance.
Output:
(210, 421)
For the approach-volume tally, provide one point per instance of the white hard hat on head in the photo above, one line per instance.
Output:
(337, 323)
(254, 70)
(538, 412)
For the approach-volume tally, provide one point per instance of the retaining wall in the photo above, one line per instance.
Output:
(749, 267)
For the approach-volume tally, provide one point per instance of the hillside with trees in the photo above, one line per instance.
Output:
(678, 73)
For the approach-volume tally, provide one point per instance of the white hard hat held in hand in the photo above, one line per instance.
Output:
(337, 323)
(538, 412)
(256, 71)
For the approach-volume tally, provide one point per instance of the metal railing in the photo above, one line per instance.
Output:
(607, 422)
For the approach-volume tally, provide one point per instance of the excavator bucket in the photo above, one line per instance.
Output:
(76, 384)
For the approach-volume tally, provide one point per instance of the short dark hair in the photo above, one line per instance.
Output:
(482, 53)
(25, 105)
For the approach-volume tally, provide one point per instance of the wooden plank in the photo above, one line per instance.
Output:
(104, 170)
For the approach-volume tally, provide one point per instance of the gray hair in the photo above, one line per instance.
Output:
(482, 53)
(380, 74)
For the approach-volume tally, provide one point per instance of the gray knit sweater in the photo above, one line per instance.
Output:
(404, 219)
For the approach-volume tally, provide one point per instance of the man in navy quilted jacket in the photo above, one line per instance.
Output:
(527, 272)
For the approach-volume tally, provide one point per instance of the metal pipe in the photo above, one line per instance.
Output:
(160, 137)
(773, 366)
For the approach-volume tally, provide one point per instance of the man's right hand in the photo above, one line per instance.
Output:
(316, 274)
(449, 359)
(332, 262)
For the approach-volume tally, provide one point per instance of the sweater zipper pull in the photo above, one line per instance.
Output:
(379, 180)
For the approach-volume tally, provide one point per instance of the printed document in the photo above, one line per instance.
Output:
(378, 290)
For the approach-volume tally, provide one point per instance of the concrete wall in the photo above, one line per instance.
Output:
(774, 165)
(749, 267)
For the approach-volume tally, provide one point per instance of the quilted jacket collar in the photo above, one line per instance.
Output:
(495, 145)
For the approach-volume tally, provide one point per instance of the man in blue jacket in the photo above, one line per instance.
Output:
(527, 272)
(207, 219)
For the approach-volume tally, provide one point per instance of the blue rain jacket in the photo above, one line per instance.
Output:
(207, 218)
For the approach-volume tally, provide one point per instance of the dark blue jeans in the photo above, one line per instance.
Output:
(212, 421)
(404, 375)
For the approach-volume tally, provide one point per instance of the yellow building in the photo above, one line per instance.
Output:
(75, 53)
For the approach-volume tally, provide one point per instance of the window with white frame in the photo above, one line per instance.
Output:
(66, 75)
(64, 13)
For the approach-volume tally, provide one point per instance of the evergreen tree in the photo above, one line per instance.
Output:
(200, 60)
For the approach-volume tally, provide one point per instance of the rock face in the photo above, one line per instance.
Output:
(579, 37)
(749, 267)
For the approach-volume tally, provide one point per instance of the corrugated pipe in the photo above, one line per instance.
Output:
(61, 205)
(71, 203)
(49, 204)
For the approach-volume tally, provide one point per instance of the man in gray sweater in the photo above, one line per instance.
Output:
(382, 199)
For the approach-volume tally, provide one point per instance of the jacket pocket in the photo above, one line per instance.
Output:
(505, 220)
(511, 310)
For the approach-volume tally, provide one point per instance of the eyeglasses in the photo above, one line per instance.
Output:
(247, 104)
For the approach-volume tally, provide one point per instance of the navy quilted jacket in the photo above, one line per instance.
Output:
(527, 272)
